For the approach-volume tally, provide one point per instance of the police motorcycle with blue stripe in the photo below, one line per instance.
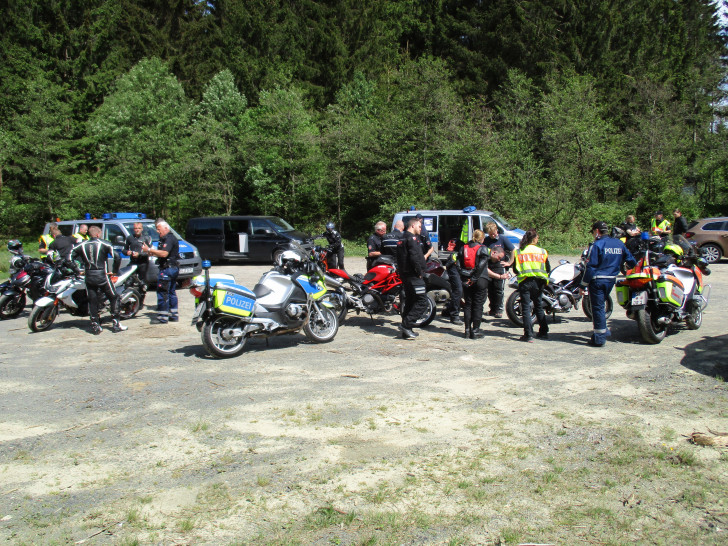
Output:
(287, 299)
(665, 288)
(66, 290)
(560, 295)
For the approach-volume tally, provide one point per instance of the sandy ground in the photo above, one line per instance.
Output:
(140, 436)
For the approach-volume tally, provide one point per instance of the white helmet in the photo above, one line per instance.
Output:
(288, 256)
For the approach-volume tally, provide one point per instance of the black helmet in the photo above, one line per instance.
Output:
(330, 226)
(15, 246)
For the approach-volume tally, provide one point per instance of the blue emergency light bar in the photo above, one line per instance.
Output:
(124, 215)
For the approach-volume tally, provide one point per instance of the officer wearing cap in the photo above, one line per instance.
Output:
(604, 260)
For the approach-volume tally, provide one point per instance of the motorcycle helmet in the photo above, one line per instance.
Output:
(288, 257)
(617, 233)
(17, 262)
(15, 246)
(330, 226)
(674, 250)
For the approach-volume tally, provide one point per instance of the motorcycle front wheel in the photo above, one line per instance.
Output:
(11, 306)
(41, 318)
(586, 306)
(130, 304)
(650, 330)
(220, 336)
(322, 325)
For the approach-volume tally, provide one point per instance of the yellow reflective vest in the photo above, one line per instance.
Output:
(47, 239)
(662, 226)
(531, 262)
(77, 235)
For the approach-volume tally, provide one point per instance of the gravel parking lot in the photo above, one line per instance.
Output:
(141, 438)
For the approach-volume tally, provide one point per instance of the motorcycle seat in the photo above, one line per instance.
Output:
(236, 289)
(386, 260)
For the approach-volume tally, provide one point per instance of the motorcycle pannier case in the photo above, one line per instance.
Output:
(670, 290)
(233, 299)
(622, 291)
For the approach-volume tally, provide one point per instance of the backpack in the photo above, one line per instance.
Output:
(469, 255)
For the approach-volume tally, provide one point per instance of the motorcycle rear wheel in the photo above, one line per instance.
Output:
(586, 306)
(513, 309)
(12, 306)
(217, 338)
(338, 300)
(322, 325)
(130, 304)
(428, 315)
(41, 318)
(695, 319)
(650, 331)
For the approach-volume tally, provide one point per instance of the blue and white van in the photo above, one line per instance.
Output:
(116, 226)
(444, 225)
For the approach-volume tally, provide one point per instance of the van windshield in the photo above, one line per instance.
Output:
(281, 225)
(149, 229)
(502, 222)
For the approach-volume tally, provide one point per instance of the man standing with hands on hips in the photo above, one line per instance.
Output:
(167, 254)
(604, 260)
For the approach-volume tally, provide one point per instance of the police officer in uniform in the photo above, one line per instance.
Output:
(604, 261)
(82, 233)
(411, 264)
(333, 237)
(659, 225)
(374, 243)
(531, 264)
(44, 241)
(93, 255)
(425, 241)
(133, 248)
(167, 254)
(393, 240)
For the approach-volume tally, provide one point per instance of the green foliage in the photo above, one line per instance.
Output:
(551, 112)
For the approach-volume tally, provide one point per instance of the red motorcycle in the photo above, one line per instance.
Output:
(380, 289)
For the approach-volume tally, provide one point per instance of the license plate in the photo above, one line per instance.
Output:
(639, 299)
(185, 270)
(198, 311)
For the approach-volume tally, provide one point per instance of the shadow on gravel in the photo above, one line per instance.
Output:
(708, 356)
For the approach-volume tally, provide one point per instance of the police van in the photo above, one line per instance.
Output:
(116, 226)
(445, 225)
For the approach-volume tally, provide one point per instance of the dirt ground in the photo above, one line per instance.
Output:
(141, 438)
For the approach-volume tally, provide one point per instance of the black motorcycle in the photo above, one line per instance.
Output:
(28, 281)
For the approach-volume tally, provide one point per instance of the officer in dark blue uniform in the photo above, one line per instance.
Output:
(604, 260)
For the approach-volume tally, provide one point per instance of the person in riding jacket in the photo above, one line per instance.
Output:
(93, 255)
(393, 240)
(531, 264)
(659, 225)
(133, 248)
(333, 237)
(374, 243)
(604, 260)
(411, 264)
(473, 264)
(496, 287)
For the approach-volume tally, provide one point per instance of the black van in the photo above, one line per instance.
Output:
(252, 238)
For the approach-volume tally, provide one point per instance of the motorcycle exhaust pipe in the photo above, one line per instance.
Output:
(331, 281)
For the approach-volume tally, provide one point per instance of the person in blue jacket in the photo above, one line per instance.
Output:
(604, 261)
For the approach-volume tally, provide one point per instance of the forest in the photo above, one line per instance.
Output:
(553, 113)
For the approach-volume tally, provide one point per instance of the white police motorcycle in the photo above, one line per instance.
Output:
(291, 297)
